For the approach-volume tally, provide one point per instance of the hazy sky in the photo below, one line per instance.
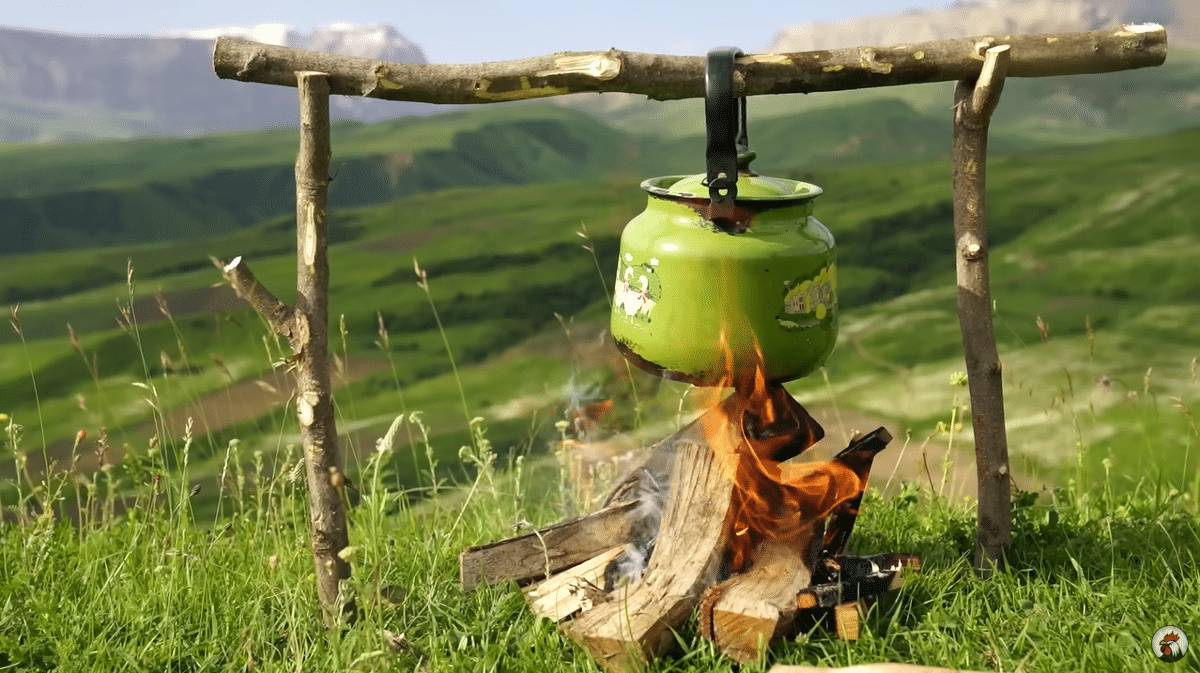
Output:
(470, 30)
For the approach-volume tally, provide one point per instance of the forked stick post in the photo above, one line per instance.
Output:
(314, 396)
(975, 101)
(305, 327)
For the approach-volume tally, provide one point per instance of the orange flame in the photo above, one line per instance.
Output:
(771, 499)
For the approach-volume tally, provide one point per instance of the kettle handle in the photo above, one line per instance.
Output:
(725, 124)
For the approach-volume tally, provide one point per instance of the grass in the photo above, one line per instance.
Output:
(175, 516)
(190, 551)
(1093, 575)
(1075, 231)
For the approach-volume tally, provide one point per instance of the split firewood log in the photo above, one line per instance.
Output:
(539, 554)
(868, 668)
(573, 590)
(630, 515)
(846, 620)
(745, 613)
(637, 623)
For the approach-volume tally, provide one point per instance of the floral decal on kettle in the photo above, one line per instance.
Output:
(806, 302)
(638, 287)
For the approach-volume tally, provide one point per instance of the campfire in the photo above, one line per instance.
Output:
(725, 281)
(716, 519)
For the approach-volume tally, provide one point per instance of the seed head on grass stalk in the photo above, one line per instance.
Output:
(423, 283)
(92, 366)
(14, 319)
(383, 342)
(342, 364)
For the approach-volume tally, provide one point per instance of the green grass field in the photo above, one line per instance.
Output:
(1077, 233)
(1096, 314)
(160, 587)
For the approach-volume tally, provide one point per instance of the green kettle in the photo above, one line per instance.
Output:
(727, 274)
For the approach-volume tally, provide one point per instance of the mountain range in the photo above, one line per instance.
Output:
(57, 86)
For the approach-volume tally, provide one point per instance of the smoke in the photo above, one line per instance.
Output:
(650, 492)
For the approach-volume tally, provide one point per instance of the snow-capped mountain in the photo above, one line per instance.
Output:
(56, 86)
(377, 41)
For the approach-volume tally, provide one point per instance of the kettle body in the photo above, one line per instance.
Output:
(708, 303)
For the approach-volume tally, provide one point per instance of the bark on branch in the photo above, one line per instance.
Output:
(245, 285)
(306, 328)
(314, 394)
(975, 100)
(664, 77)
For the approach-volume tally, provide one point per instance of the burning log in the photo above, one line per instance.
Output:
(754, 608)
(856, 578)
(859, 457)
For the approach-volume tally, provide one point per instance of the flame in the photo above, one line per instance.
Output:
(752, 432)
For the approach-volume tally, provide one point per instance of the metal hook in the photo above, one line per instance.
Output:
(727, 150)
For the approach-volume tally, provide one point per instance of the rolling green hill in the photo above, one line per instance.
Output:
(58, 197)
(1094, 241)
(98, 194)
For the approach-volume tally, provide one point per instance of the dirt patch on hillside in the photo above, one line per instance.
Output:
(260, 397)
(181, 303)
(248, 400)
(404, 241)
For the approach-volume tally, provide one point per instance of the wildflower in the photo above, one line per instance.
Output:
(79, 436)
(273, 561)
(347, 553)
(3, 418)
(958, 379)
(561, 426)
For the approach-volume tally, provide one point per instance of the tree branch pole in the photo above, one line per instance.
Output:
(974, 103)
(306, 329)
(664, 77)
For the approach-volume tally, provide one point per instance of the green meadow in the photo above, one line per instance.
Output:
(149, 451)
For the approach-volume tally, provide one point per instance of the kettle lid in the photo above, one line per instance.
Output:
(750, 188)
